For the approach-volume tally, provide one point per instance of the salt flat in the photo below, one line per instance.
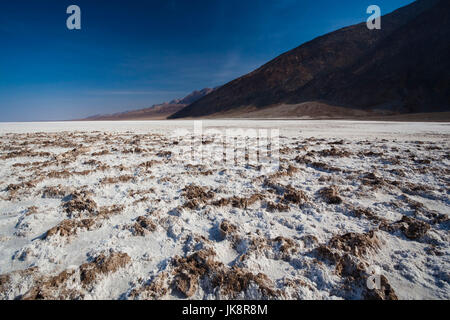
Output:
(115, 210)
(304, 127)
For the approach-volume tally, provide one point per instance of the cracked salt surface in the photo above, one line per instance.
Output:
(160, 242)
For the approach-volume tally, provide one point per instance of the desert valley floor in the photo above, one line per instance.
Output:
(107, 210)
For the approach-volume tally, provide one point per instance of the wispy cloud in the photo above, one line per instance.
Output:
(134, 93)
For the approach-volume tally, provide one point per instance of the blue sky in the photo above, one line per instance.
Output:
(135, 53)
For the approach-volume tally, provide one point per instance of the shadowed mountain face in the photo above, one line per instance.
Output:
(157, 111)
(404, 67)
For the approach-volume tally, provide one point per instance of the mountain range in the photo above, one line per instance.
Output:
(155, 112)
(402, 68)
(354, 72)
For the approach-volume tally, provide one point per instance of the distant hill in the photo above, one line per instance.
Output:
(155, 112)
(402, 68)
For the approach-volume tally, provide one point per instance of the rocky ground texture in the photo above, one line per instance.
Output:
(104, 214)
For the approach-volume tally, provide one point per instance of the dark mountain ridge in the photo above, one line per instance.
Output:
(404, 67)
